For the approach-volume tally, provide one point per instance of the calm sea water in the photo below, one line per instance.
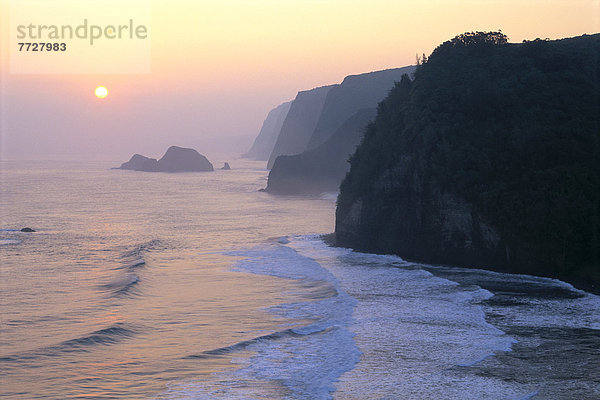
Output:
(198, 286)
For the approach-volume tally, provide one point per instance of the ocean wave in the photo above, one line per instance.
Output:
(132, 264)
(529, 395)
(329, 196)
(121, 285)
(107, 336)
(475, 361)
(287, 333)
(407, 307)
(283, 240)
(520, 285)
(138, 251)
(103, 337)
(307, 360)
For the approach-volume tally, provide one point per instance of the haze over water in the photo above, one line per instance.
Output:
(217, 67)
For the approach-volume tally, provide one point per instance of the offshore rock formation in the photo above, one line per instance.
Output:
(179, 159)
(140, 163)
(176, 159)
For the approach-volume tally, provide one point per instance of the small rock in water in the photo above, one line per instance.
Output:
(226, 166)
(27, 230)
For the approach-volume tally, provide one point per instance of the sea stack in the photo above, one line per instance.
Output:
(180, 159)
(176, 159)
(141, 163)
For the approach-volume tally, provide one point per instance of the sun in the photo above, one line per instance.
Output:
(101, 92)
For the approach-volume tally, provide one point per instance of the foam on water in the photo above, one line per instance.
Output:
(329, 196)
(416, 331)
(301, 362)
(308, 365)
(384, 328)
(379, 327)
(11, 233)
(9, 241)
(530, 300)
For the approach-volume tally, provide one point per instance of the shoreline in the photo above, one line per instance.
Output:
(577, 282)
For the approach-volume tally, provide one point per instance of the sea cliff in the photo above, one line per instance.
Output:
(265, 141)
(489, 158)
(323, 162)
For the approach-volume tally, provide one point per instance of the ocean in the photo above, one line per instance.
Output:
(199, 286)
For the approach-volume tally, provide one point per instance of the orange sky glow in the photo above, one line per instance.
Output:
(218, 67)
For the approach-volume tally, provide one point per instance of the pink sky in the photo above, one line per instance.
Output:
(218, 67)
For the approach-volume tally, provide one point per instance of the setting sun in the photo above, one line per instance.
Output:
(101, 92)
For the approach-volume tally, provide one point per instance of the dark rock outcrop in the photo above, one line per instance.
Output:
(323, 168)
(265, 141)
(490, 158)
(299, 123)
(28, 230)
(141, 163)
(179, 159)
(354, 93)
(176, 159)
(226, 166)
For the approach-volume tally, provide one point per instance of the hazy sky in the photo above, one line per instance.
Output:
(218, 67)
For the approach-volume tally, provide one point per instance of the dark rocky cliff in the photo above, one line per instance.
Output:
(489, 158)
(299, 123)
(265, 141)
(323, 168)
(348, 108)
(354, 93)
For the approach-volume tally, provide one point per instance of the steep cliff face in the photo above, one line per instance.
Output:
(323, 168)
(348, 108)
(489, 158)
(265, 141)
(299, 123)
(407, 216)
(354, 93)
